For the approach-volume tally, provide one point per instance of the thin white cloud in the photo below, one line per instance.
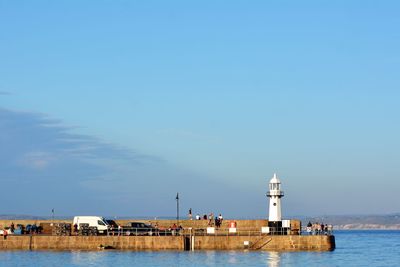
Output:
(35, 141)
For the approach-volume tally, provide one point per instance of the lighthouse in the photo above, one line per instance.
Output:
(275, 194)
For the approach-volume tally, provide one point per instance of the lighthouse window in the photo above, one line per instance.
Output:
(274, 186)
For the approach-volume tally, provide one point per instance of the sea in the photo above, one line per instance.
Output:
(353, 248)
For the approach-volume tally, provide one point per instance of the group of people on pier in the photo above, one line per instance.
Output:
(319, 229)
(212, 221)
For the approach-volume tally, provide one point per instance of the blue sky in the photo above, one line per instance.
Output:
(120, 104)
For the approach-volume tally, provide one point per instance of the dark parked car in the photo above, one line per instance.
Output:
(139, 228)
(33, 229)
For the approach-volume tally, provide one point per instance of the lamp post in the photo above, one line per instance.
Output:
(177, 208)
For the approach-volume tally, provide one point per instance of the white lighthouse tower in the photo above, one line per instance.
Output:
(275, 194)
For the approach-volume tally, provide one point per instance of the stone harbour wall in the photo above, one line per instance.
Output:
(37, 242)
(264, 242)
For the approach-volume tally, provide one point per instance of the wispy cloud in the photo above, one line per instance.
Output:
(47, 163)
(40, 155)
(38, 141)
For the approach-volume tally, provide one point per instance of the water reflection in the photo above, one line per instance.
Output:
(82, 258)
(232, 257)
(239, 258)
(273, 259)
(210, 257)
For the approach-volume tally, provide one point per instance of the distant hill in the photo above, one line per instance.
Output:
(388, 222)
(21, 217)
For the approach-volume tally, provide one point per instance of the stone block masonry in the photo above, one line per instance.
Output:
(265, 242)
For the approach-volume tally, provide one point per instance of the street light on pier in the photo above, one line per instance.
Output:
(177, 208)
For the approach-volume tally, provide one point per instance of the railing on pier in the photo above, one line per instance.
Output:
(208, 231)
(317, 230)
(213, 231)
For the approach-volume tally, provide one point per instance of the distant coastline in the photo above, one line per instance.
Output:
(357, 226)
(359, 222)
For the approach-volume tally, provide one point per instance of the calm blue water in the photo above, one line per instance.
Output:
(354, 248)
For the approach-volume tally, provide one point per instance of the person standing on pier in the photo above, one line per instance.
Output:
(309, 228)
(76, 229)
(211, 219)
(220, 218)
(190, 214)
(5, 233)
(216, 221)
(119, 230)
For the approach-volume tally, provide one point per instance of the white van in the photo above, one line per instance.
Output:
(96, 221)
